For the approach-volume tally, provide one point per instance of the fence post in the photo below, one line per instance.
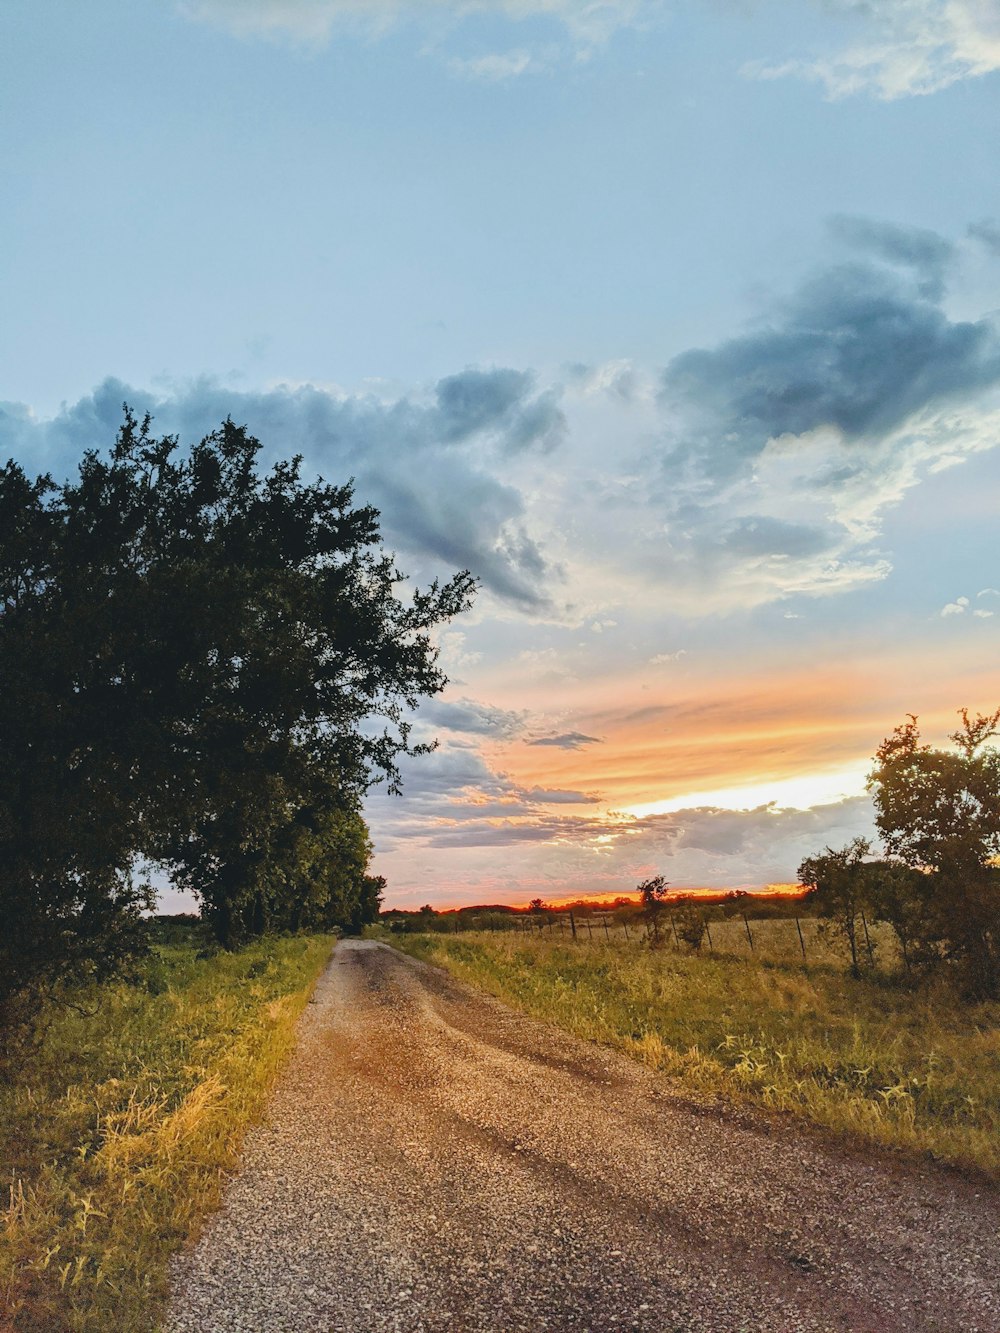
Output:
(673, 927)
(607, 933)
(572, 923)
(749, 935)
(590, 930)
(868, 942)
(625, 928)
(708, 932)
(801, 940)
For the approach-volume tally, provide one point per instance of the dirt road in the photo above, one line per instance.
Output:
(433, 1161)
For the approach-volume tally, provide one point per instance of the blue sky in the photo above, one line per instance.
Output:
(675, 322)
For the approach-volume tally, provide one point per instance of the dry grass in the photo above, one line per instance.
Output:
(114, 1140)
(906, 1068)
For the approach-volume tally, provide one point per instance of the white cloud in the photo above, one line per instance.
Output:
(918, 47)
(495, 68)
(587, 22)
(982, 615)
(956, 608)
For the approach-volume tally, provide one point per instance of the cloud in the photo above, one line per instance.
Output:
(762, 536)
(472, 718)
(495, 68)
(987, 233)
(587, 22)
(764, 469)
(859, 348)
(925, 252)
(784, 446)
(569, 740)
(917, 47)
(426, 465)
(962, 604)
(499, 403)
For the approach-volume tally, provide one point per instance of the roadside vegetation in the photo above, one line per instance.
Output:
(117, 1130)
(900, 1063)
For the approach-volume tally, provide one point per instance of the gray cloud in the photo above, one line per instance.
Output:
(472, 718)
(987, 233)
(927, 253)
(859, 348)
(426, 467)
(477, 400)
(569, 740)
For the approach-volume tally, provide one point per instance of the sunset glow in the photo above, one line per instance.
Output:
(790, 793)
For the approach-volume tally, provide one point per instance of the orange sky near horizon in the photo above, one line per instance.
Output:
(790, 723)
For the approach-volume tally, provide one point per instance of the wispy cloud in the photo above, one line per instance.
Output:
(568, 740)
(587, 22)
(497, 67)
(914, 47)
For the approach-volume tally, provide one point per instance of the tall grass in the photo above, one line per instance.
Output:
(905, 1067)
(115, 1137)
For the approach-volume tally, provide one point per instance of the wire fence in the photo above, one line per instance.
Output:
(785, 939)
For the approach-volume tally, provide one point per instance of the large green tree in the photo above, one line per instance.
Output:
(206, 666)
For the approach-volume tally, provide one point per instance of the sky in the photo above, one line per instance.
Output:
(674, 321)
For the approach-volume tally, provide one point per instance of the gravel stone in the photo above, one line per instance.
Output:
(433, 1161)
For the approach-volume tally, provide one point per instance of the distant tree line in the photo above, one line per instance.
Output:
(938, 813)
(204, 668)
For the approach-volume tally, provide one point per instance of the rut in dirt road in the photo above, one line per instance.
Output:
(434, 1161)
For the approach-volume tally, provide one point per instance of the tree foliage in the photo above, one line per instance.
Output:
(938, 812)
(204, 666)
(839, 884)
(652, 899)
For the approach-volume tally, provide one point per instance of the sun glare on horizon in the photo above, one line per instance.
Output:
(798, 793)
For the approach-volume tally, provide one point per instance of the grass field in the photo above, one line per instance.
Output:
(115, 1136)
(906, 1067)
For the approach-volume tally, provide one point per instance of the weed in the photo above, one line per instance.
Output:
(115, 1137)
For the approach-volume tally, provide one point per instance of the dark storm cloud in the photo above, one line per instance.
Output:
(862, 347)
(569, 740)
(424, 466)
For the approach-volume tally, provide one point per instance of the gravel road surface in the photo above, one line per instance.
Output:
(434, 1161)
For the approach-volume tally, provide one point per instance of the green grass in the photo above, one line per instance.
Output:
(115, 1137)
(910, 1068)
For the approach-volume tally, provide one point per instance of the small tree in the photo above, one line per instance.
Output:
(652, 895)
(938, 812)
(902, 898)
(838, 885)
(691, 922)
